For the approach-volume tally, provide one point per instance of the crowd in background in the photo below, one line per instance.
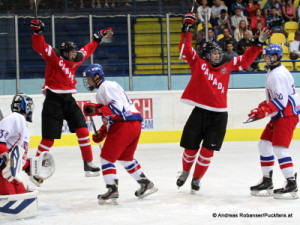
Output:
(232, 23)
(56, 4)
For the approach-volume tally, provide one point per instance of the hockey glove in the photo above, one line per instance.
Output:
(37, 26)
(188, 22)
(261, 36)
(107, 32)
(264, 103)
(100, 134)
(92, 109)
(262, 111)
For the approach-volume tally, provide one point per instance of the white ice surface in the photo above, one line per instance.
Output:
(69, 198)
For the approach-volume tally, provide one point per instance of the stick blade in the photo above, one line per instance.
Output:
(250, 120)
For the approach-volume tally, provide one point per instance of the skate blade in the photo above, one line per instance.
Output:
(148, 192)
(91, 174)
(193, 192)
(112, 201)
(263, 193)
(291, 195)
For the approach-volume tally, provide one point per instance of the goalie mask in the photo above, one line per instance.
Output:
(23, 104)
(212, 52)
(93, 76)
(269, 53)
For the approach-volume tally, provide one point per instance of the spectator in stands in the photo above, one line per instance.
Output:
(228, 3)
(223, 21)
(216, 12)
(235, 19)
(258, 27)
(251, 8)
(127, 4)
(201, 34)
(269, 5)
(211, 37)
(202, 10)
(289, 11)
(78, 3)
(298, 13)
(275, 20)
(229, 53)
(226, 38)
(239, 4)
(257, 18)
(244, 42)
(96, 4)
(243, 45)
(240, 31)
(295, 47)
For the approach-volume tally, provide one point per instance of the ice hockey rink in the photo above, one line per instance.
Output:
(69, 198)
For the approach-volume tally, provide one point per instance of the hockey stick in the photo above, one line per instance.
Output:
(1, 115)
(93, 124)
(35, 7)
(183, 44)
(251, 119)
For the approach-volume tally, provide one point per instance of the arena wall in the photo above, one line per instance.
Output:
(164, 116)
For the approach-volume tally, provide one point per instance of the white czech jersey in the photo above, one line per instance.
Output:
(112, 94)
(14, 131)
(280, 90)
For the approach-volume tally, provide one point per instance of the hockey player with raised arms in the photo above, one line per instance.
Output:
(207, 92)
(282, 104)
(60, 84)
(121, 129)
(14, 136)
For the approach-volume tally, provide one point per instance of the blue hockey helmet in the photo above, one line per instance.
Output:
(23, 104)
(273, 49)
(95, 73)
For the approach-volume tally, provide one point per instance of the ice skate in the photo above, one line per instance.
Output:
(264, 187)
(195, 185)
(111, 196)
(182, 178)
(289, 191)
(90, 169)
(147, 188)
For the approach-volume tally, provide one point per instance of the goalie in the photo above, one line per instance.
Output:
(121, 128)
(14, 141)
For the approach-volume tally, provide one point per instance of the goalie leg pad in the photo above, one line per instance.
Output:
(19, 206)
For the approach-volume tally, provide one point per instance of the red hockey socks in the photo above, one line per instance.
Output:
(44, 146)
(188, 158)
(84, 144)
(203, 162)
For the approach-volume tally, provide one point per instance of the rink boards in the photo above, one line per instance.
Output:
(164, 116)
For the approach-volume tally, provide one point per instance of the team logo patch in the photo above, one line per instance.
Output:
(224, 70)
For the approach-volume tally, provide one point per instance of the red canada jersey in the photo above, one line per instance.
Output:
(59, 72)
(208, 85)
